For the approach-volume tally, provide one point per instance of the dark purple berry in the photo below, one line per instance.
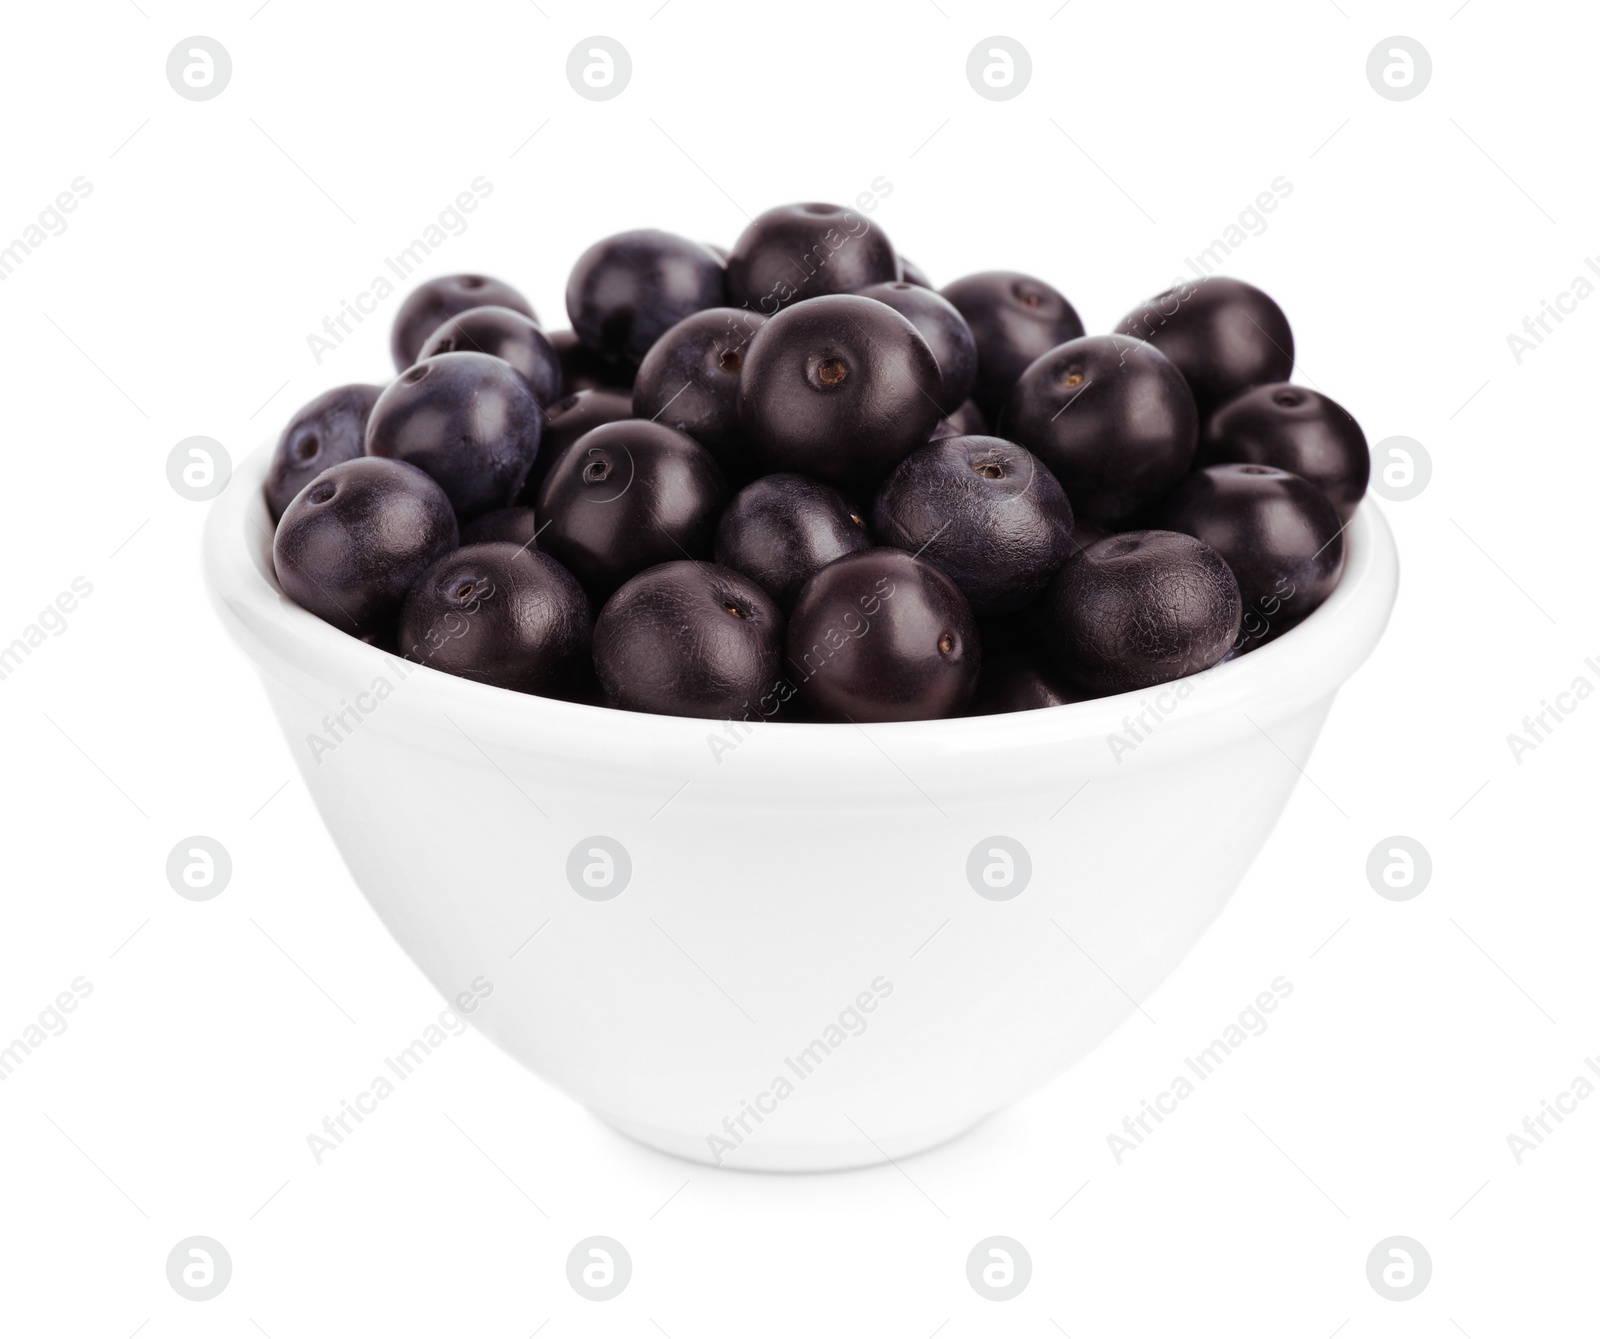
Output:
(466, 419)
(332, 428)
(690, 639)
(357, 537)
(782, 528)
(690, 380)
(625, 497)
(1295, 429)
(946, 332)
(430, 305)
(1139, 609)
(1112, 417)
(1278, 533)
(1014, 318)
(983, 511)
(841, 388)
(500, 614)
(796, 252)
(502, 333)
(1224, 335)
(626, 291)
(883, 636)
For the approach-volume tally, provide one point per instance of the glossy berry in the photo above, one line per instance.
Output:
(515, 525)
(796, 252)
(1014, 318)
(985, 512)
(357, 537)
(1141, 608)
(430, 305)
(946, 332)
(1112, 417)
(841, 388)
(690, 380)
(502, 333)
(567, 420)
(1224, 335)
(882, 635)
(1294, 429)
(584, 370)
(690, 639)
(1278, 533)
(782, 528)
(332, 428)
(502, 615)
(626, 291)
(625, 497)
(466, 419)
(966, 421)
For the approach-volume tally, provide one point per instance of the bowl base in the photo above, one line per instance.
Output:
(832, 1156)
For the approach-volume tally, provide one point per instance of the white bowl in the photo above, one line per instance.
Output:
(797, 972)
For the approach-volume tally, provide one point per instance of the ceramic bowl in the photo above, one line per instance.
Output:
(787, 946)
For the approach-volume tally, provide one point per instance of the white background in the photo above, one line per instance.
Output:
(178, 301)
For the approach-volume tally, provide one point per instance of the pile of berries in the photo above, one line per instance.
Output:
(793, 481)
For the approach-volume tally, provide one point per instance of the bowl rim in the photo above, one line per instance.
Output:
(1303, 666)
